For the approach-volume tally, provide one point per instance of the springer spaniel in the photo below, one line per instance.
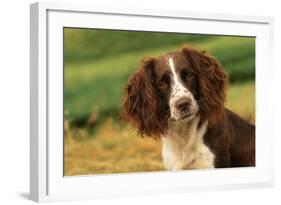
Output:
(180, 97)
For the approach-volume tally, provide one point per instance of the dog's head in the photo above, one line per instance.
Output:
(175, 86)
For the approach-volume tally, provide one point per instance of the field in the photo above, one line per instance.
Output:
(96, 141)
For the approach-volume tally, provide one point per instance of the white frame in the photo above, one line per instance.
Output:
(46, 179)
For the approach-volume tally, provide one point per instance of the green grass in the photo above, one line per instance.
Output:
(86, 44)
(96, 86)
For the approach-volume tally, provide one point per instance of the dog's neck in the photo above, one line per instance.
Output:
(184, 148)
(186, 131)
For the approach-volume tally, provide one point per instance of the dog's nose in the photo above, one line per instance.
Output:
(183, 104)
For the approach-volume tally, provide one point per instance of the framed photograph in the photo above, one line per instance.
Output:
(131, 102)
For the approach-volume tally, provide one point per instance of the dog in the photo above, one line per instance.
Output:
(180, 97)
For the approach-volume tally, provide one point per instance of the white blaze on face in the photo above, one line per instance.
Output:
(178, 91)
(177, 87)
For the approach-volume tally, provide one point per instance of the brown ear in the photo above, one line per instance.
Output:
(212, 84)
(140, 104)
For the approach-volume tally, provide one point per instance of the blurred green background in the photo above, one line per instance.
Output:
(97, 64)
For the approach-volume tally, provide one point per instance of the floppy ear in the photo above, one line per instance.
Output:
(141, 104)
(212, 84)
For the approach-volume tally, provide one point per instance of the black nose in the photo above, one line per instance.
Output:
(183, 104)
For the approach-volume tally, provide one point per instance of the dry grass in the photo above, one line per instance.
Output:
(114, 148)
(241, 100)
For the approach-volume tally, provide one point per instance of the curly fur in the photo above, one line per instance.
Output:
(142, 105)
(212, 83)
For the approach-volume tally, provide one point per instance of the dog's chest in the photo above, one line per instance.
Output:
(185, 149)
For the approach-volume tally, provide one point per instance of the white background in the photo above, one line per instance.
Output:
(14, 101)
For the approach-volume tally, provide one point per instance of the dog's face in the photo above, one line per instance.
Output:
(176, 80)
(175, 86)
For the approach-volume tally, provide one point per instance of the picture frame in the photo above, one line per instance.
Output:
(47, 182)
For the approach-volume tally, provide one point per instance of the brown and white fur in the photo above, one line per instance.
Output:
(180, 97)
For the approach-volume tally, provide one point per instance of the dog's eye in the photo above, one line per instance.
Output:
(186, 75)
(164, 82)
